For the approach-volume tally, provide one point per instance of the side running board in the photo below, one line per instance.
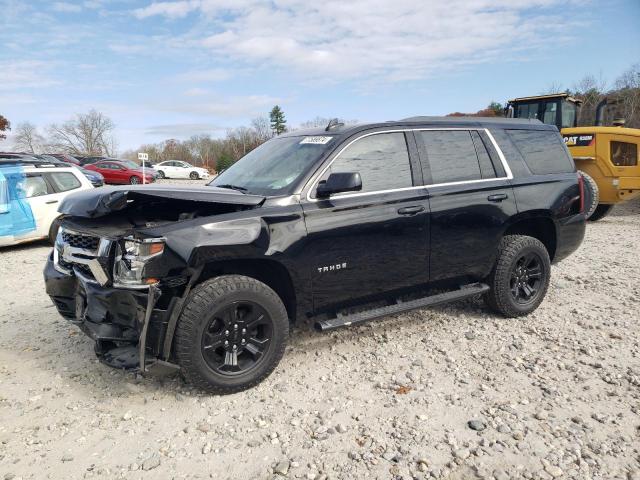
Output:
(342, 320)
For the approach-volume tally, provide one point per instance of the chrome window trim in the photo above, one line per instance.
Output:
(316, 179)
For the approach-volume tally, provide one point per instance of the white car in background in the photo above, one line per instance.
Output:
(30, 193)
(178, 169)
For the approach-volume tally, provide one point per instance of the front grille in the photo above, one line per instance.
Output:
(84, 270)
(79, 240)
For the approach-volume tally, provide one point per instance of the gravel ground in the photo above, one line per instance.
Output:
(450, 392)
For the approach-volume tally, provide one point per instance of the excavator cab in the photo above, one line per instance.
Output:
(559, 109)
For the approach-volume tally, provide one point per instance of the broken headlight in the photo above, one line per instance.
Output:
(132, 255)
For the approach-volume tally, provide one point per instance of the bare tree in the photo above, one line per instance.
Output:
(203, 149)
(262, 128)
(27, 139)
(323, 122)
(87, 134)
(553, 87)
(628, 93)
(590, 90)
(316, 122)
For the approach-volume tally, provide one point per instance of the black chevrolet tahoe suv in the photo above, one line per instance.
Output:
(336, 225)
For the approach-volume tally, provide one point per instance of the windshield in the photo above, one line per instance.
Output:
(568, 114)
(275, 166)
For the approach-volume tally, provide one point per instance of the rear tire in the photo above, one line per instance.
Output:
(600, 212)
(520, 277)
(591, 194)
(231, 334)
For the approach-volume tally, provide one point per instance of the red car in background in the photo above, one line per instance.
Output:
(121, 171)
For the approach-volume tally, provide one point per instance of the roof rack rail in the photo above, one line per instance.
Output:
(334, 123)
(31, 162)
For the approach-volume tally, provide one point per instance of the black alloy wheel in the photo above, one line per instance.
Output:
(236, 338)
(526, 278)
(231, 334)
(520, 277)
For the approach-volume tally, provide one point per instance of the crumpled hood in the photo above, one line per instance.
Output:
(101, 201)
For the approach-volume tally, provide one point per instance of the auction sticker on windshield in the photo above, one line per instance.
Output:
(316, 140)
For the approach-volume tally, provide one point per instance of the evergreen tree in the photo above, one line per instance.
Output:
(224, 161)
(278, 122)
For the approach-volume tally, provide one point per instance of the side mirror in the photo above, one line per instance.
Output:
(338, 183)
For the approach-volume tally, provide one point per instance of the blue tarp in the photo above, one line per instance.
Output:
(16, 217)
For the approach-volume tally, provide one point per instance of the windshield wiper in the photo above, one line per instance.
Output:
(232, 187)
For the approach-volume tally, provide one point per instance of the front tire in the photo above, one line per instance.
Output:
(160, 174)
(134, 180)
(231, 334)
(194, 176)
(520, 278)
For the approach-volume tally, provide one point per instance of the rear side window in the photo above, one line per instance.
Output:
(64, 181)
(382, 160)
(451, 156)
(484, 159)
(624, 154)
(543, 151)
(33, 186)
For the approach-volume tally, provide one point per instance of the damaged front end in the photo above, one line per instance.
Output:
(114, 274)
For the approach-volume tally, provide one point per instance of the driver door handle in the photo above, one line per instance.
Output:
(411, 210)
(51, 201)
(498, 197)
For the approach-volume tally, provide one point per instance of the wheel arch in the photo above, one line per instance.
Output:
(270, 272)
(538, 225)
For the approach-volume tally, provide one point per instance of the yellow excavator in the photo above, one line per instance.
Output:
(607, 156)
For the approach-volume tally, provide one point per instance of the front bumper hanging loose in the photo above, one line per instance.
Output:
(128, 327)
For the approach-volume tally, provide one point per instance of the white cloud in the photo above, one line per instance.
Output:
(373, 40)
(66, 7)
(183, 130)
(25, 74)
(176, 9)
(128, 48)
(209, 75)
(220, 106)
(196, 92)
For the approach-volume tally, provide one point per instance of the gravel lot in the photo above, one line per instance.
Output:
(552, 395)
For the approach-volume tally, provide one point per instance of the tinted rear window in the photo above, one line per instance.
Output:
(543, 151)
(451, 155)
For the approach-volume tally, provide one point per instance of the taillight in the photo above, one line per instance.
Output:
(581, 186)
